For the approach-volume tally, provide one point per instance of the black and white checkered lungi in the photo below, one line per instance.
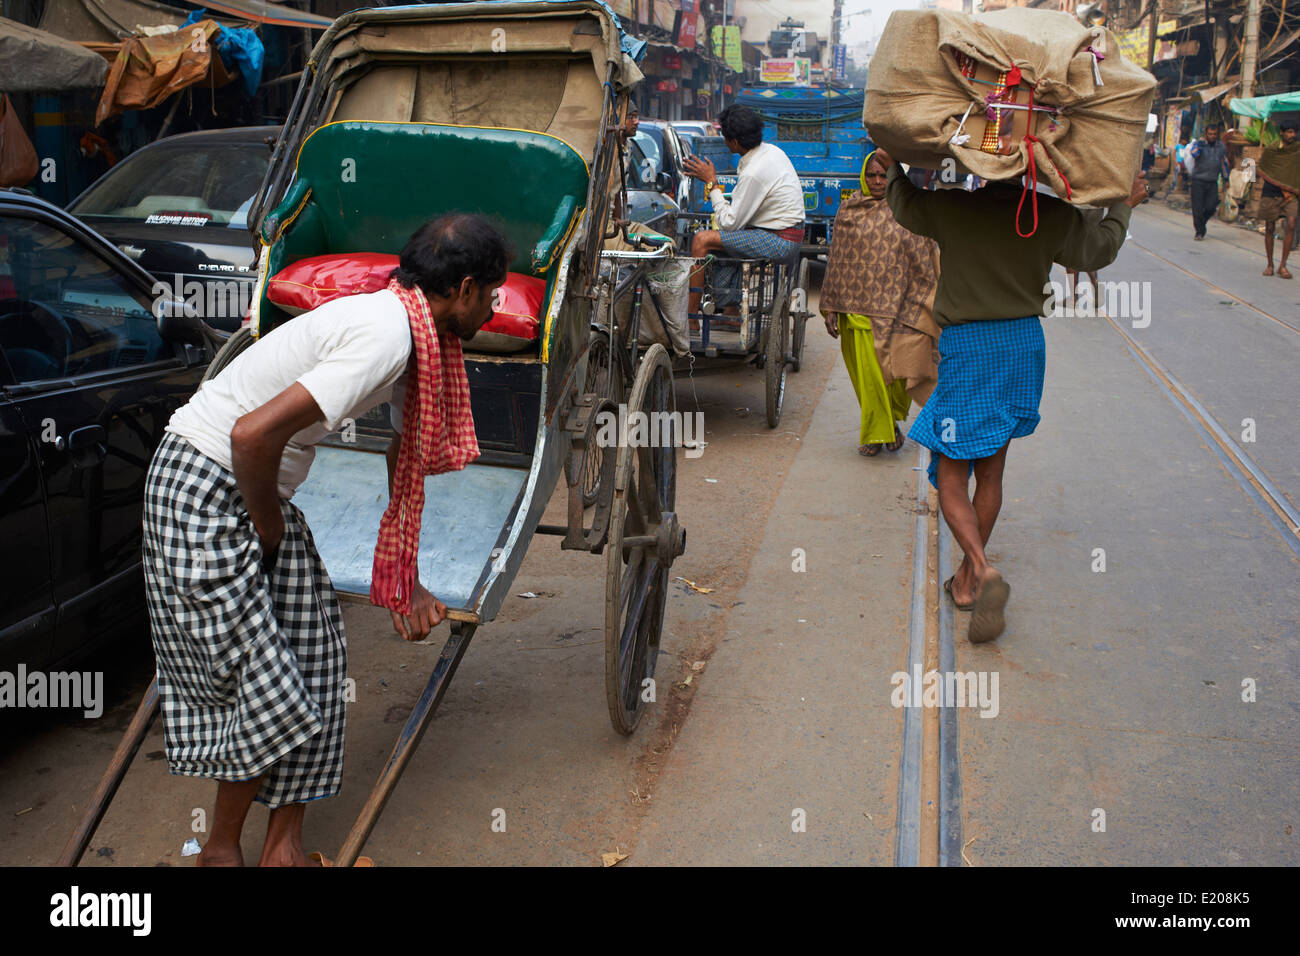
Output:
(251, 664)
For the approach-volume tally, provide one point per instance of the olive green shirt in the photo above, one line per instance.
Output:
(986, 271)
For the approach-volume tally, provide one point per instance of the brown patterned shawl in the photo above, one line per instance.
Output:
(879, 269)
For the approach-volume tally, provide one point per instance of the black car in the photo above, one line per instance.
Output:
(648, 187)
(669, 155)
(179, 208)
(92, 364)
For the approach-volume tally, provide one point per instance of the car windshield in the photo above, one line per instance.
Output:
(183, 185)
(649, 151)
(642, 170)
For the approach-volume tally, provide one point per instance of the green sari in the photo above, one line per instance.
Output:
(881, 405)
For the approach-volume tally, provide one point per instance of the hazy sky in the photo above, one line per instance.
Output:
(859, 29)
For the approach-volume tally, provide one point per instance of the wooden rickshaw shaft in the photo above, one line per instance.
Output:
(112, 779)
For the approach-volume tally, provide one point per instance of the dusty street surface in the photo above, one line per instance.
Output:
(773, 738)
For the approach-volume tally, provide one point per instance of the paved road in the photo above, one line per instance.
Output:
(774, 739)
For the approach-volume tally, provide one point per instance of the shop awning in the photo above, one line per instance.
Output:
(33, 60)
(1212, 93)
(1262, 107)
(108, 21)
(262, 12)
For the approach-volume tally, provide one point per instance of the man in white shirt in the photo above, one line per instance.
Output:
(765, 215)
(246, 626)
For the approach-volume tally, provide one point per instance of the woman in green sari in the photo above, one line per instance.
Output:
(876, 299)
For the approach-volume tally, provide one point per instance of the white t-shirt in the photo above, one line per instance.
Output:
(349, 353)
(767, 193)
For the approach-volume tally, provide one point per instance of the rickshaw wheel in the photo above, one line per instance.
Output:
(636, 578)
(800, 318)
(239, 340)
(775, 367)
(605, 379)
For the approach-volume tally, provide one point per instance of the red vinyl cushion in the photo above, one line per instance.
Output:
(313, 281)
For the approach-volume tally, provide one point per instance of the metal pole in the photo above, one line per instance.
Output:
(1154, 13)
(1250, 56)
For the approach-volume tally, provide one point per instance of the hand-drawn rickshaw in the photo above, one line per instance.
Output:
(511, 109)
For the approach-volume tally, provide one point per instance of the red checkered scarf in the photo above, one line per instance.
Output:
(437, 436)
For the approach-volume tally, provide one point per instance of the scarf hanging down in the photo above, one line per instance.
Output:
(437, 436)
(1282, 163)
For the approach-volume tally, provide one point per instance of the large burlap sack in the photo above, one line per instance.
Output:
(917, 96)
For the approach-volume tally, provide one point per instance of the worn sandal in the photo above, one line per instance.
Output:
(947, 586)
(326, 861)
(988, 620)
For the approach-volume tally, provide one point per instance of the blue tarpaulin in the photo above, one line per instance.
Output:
(240, 50)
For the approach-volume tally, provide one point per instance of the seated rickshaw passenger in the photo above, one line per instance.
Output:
(765, 215)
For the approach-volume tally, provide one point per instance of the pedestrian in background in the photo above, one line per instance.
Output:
(1279, 169)
(1072, 275)
(1177, 171)
(877, 299)
(1209, 162)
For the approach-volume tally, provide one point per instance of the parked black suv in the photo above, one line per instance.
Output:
(92, 365)
(179, 208)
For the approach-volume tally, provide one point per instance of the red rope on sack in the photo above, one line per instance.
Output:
(1031, 184)
(1032, 173)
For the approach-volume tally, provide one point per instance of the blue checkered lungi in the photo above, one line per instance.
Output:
(747, 244)
(990, 384)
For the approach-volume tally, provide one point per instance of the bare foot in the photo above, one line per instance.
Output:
(220, 856)
(963, 584)
(285, 855)
(869, 451)
(1282, 273)
(1268, 269)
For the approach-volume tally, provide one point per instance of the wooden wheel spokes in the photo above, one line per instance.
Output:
(643, 540)
(605, 380)
(636, 640)
(777, 358)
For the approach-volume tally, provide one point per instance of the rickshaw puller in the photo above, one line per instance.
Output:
(764, 217)
(246, 626)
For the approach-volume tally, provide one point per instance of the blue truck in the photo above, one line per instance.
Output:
(820, 129)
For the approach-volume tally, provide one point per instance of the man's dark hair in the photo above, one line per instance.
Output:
(448, 248)
(1286, 126)
(743, 125)
(1211, 126)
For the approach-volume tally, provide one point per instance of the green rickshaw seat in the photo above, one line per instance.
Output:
(366, 187)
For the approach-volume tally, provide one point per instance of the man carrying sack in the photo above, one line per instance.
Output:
(1016, 96)
(992, 354)
(1279, 168)
(247, 628)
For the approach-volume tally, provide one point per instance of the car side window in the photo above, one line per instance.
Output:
(65, 310)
